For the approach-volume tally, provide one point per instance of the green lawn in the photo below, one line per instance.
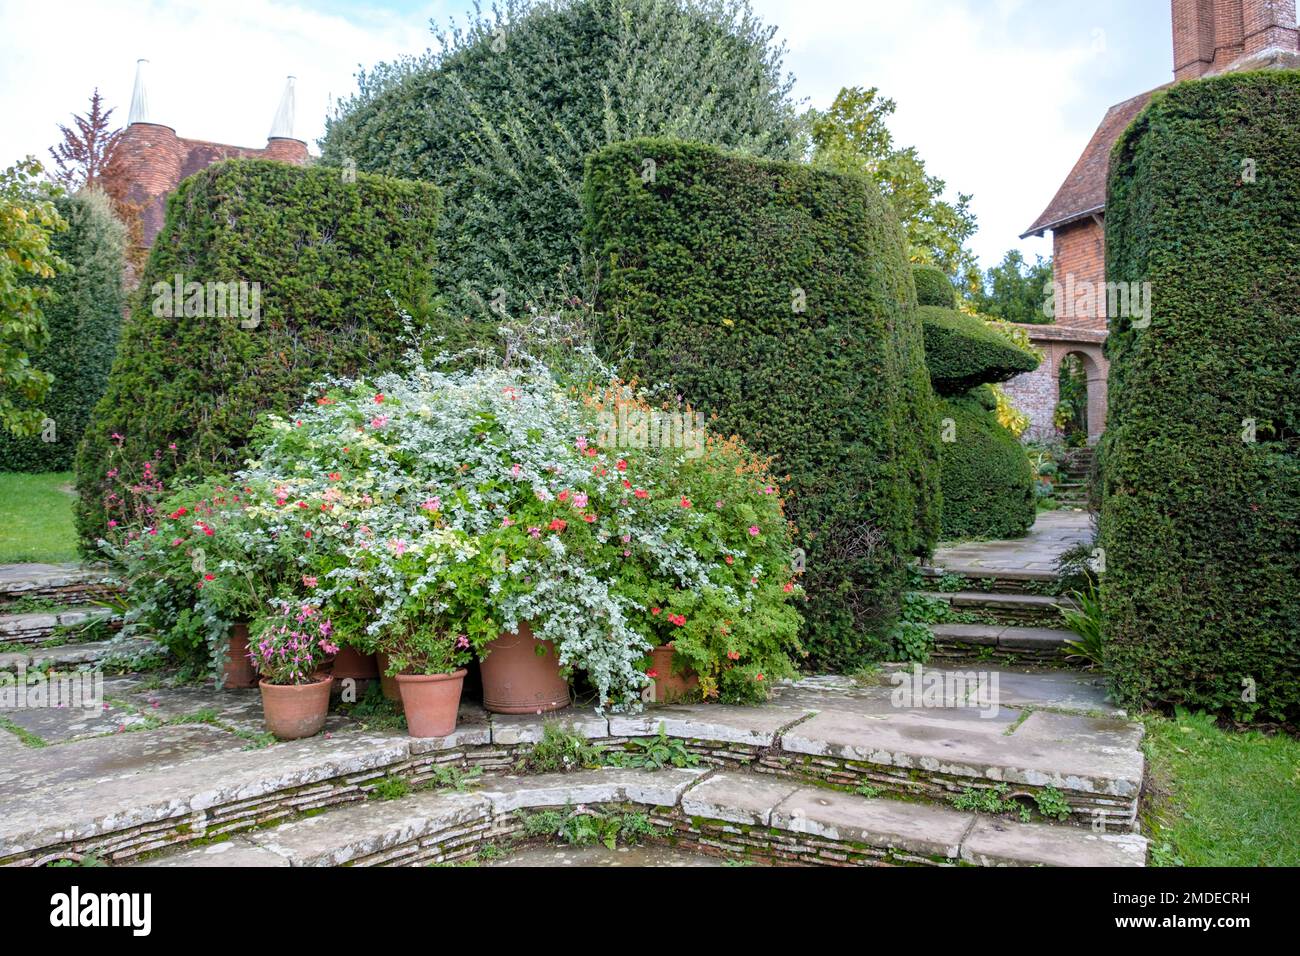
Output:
(1220, 798)
(36, 518)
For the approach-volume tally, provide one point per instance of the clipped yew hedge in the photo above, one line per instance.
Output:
(332, 258)
(777, 297)
(1201, 493)
(963, 351)
(84, 316)
(933, 287)
(988, 484)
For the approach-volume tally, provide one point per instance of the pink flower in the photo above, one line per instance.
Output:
(433, 504)
(379, 421)
(685, 502)
(753, 530)
(580, 501)
(516, 469)
(308, 581)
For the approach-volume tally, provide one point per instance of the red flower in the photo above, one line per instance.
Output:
(306, 534)
(730, 559)
(589, 518)
(734, 655)
(686, 502)
(758, 677)
(379, 398)
(622, 465)
(209, 577)
(558, 524)
(334, 476)
(654, 611)
(641, 493)
(652, 674)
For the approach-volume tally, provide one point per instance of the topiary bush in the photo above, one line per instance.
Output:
(933, 287)
(963, 351)
(334, 260)
(777, 297)
(504, 114)
(84, 316)
(987, 482)
(1201, 455)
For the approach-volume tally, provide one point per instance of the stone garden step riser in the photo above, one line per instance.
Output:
(38, 627)
(63, 585)
(1026, 582)
(958, 652)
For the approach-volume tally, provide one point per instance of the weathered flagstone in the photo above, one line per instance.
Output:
(1044, 689)
(237, 851)
(661, 788)
(508, 729)
(996, 842)
(1034, 555)
(755, 726)
(61, 724)
(737, 798)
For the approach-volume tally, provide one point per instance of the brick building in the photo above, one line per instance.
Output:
(1209, 37)
(155, 159)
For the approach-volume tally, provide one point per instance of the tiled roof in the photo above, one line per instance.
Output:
(1084, 191)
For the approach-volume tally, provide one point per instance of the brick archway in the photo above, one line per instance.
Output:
(1036, 393)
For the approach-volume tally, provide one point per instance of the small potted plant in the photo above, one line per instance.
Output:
(429, 665)
(291, 648)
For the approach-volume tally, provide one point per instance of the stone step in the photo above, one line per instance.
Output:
(55, 584)
(731, 813)
(39, 626)
(1004, 608)
(983, 642)
(67, 656)
(1001, 580)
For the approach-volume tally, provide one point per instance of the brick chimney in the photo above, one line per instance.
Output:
(1212, 35)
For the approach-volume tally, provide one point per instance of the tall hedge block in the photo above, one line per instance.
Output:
(988, 485)
(777, 297)
(963, 351)
(84, 317)
(1201, 507)
(333, 260)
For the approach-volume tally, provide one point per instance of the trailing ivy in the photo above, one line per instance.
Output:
(1200, 516)
(777, 297)
(334, 261)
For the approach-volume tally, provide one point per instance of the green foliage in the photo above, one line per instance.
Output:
(504, 112)
(1201, 456)
(963, 351)
(1052, 803)
(390, 788)
(1014, 289)
(333, 259)
(28, 261)
(1085, 620)
(585, 826)
(995, 799)
(933, 287)
(988, 484)
(761, 291)
(653, 753)
(561, 750)
(84, 316)
(852, 136)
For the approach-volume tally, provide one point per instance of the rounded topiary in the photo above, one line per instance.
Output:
(988, 484)
(777, 297)
(963, 351)
(323, 266)
(933, 287)
(1200, 515)
(504, 113)
(84, 316)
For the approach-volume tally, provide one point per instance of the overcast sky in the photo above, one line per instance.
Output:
(999, 96)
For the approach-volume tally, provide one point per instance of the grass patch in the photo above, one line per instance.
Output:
(1217, 797)
(36, 518)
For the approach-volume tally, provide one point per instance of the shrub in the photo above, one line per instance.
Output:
(84, 317)
(330, 256)
(987, 481)
(963, 351)
(776, 297)
(933, 287)
(504, 114)
(1201, 456)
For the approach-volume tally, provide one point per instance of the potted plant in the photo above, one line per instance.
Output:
(429, 666)
(674, 680)
(522, 675)
(292, 648)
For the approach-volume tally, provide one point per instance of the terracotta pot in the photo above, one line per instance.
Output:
(671, 685)
(293, 711)
(519, 680)
(431, 702)
(239, 671)
(388, 684)
(351, 664)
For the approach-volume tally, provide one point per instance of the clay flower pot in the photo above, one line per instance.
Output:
(293, 711)
(671, 685)
(517, 679)
(388, 684)
(351, 664)
(239, 671)
(431, 702)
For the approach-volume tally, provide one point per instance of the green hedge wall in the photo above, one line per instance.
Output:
(963, 351)
(85, 317)
(988, 484)
(1201, 524)
(777, 296)
(933, 287)
(327, 254)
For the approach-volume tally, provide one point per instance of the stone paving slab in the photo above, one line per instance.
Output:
(18, 580)
(1045, 689)
(508, 729)
(996, 842)
(738, 798)
(1053, 533)
(90, 652)
(236, 852)
(661, 788)
(920, 829)
(60, 725)
(754, 726)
